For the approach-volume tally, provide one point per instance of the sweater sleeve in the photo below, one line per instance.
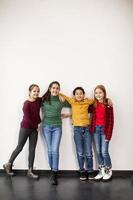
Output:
(66, 104)
(109, 123)
(91, 101)
(90, 108)
(68, 99)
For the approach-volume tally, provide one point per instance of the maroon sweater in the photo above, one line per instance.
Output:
(31, 117)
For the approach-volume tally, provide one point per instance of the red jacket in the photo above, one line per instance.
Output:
(109, 120)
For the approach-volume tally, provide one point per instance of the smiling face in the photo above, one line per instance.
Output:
(54, 89)
(34, 93)
(79, 95)
(99, 95)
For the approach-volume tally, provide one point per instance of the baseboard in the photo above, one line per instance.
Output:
(116, 173)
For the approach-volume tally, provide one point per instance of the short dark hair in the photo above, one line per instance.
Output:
(78, 88)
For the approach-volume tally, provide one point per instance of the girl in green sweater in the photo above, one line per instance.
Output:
(52, 125)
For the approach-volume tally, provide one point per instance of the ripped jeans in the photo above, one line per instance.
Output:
(102, 147)
(83, 142)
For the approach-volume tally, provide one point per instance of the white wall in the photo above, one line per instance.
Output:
(78, 43)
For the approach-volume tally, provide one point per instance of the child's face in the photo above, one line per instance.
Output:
(55, 89)
(34, 93)
(99, 94)
(79, 96)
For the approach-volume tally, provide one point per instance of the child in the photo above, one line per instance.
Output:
(52, 125)
(82, 136)
(102, 127)
(28, 129)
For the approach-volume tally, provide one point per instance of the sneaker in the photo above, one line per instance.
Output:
(101, 174)
(8, 169)
(53, 178)
(30, 174)
(91, 175)
(108, 174)
(83, 176)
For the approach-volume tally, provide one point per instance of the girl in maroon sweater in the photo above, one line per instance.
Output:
(28, 129)
(102, 126)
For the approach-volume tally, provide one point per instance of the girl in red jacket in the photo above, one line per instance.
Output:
(102, 126)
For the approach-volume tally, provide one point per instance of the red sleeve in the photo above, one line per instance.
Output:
(109, 122)
(90, 108)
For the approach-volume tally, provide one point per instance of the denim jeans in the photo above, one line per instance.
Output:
(52, 136)
(83, 142)
(102, 147)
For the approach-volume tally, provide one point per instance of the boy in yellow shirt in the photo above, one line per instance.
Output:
(82, 137)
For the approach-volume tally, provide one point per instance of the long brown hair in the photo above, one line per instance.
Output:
(47, 95)
(105, 100)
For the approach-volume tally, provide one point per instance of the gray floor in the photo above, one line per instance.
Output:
(69, 188)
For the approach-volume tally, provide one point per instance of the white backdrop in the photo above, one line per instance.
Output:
(78, 43)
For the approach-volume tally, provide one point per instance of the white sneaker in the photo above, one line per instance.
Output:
(108, 174)
(101, 174)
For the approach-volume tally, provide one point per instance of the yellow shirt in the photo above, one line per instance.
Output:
(79, 110)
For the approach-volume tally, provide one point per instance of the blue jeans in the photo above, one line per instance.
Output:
(83, 142)
(52, 136)
(102, 147)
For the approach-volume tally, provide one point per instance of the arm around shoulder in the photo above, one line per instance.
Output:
(69, 99)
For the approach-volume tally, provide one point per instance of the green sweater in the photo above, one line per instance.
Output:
(52, 111)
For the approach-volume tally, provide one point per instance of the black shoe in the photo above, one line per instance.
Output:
(53, 178)
(8, 169)
(83, 176)
(32, 175)
(91, 175)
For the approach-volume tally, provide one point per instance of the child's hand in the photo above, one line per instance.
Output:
(39, 129)
(106, 140)
(110, 103)
(64, 115)
(62, 99)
